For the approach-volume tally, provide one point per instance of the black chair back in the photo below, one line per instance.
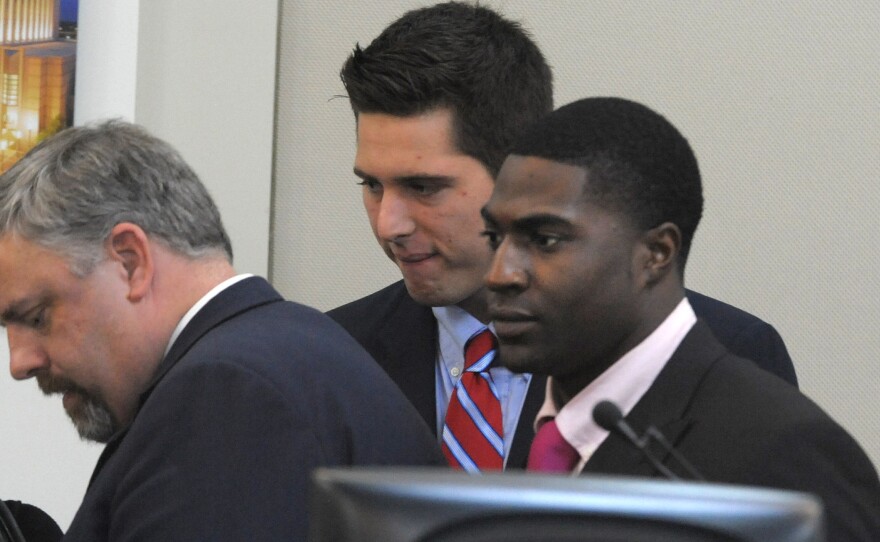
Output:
(9, 531)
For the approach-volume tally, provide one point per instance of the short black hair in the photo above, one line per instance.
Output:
(468, 58)
(637, 162)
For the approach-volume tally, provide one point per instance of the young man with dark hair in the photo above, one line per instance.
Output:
(591, 221)
(439, 97)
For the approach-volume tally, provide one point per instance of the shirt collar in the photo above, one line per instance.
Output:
(624, 383)
(190, 314)
(455, 327)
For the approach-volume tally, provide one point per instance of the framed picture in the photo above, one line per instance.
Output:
(37, 72)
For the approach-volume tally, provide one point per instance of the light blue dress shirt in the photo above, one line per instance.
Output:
(455, 327)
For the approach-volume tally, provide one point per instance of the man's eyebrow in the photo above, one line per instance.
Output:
(413, 177)
(362, 175)
(529, 222)
(15, 311)
(540, 220)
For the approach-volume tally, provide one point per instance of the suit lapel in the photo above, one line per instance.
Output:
(664, 406)
(106, 454)
(407, 344)
(525, 432)
(241, 296)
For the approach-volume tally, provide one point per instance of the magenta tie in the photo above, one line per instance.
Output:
(550, 452)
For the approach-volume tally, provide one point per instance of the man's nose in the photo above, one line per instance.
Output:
(394, 219)
(509, 269)
(26, 357)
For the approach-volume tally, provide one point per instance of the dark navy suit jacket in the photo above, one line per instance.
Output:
(254, 394)
(740, 425)
(402, 336)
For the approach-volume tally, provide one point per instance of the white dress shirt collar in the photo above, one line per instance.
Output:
(201, 303)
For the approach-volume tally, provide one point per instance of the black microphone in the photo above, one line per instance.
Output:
(609, 417)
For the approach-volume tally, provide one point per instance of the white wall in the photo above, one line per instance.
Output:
(206, 83)
(779, 100)
(200, 74)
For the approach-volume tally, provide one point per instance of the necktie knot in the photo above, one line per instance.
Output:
(479, 352)
(473, 432)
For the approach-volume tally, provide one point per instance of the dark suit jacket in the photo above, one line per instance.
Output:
(740, 425)
(402, 336)
(254, 394)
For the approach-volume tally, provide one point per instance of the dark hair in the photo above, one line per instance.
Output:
(453, 55)
(636, 161)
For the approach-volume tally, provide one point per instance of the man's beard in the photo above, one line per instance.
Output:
(91, 416)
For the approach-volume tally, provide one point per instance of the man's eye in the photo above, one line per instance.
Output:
(371, 185)
(38, 319)
(491, 237)
(424, 189)
(545, 241)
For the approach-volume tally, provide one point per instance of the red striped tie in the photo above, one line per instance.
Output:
(473, 435)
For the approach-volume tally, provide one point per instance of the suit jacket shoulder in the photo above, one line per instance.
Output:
(254, 394)
(401, 336)
(740, 425)
(745, 335)
(385, 313)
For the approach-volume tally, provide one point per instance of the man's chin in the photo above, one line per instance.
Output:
(92, 419)
(520, 359)
(427, 295)
(435, 293)
(90, 415)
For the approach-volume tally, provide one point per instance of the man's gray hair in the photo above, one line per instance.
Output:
(69, 191)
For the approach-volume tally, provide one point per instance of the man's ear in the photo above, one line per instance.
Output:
(128, 244)
(664, 246)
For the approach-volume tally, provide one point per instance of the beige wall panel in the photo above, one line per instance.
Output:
(778, 99)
